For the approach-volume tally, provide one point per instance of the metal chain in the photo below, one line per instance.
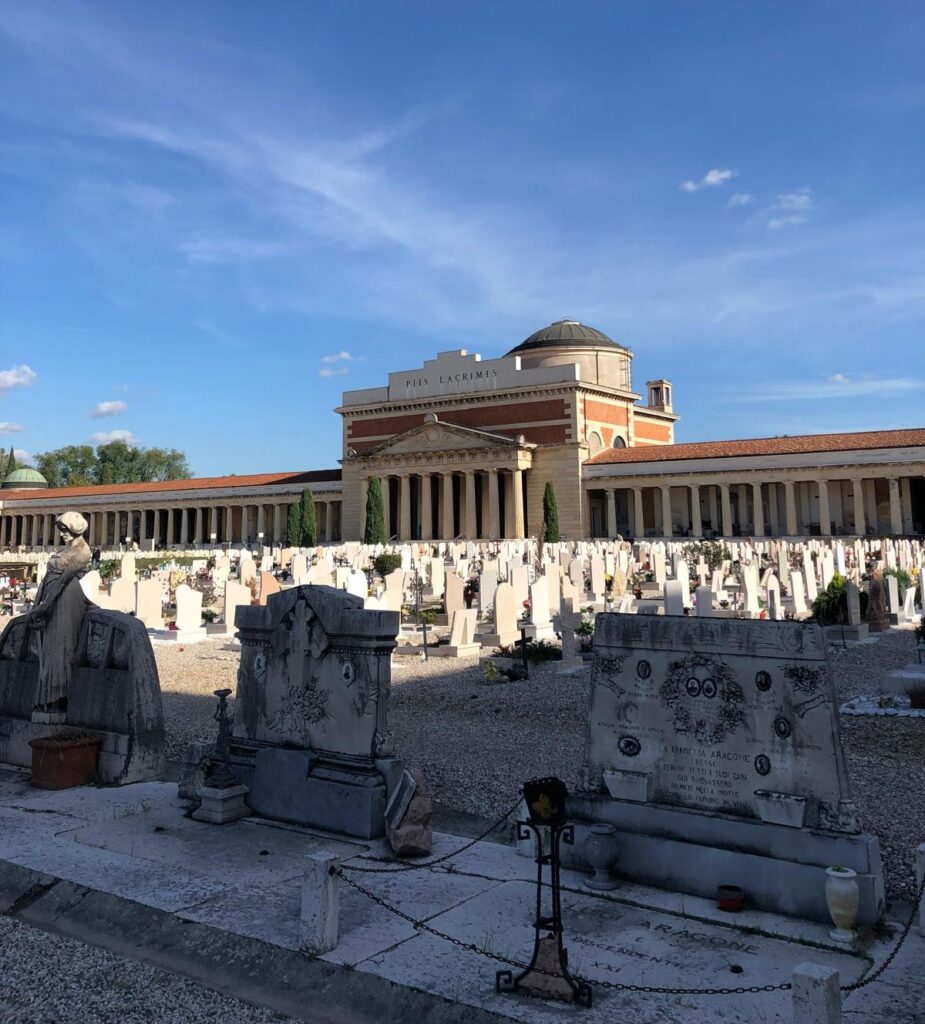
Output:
(886, 963)
(404, 866)
(471, 947)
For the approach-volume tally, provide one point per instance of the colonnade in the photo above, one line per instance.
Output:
(469, 503)
(173, 525)
(823, 506)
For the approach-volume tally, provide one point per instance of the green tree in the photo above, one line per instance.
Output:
(375, 514)
(7, 466)
(550, 515)
(308, 520)
(112, 463)
(294, 526)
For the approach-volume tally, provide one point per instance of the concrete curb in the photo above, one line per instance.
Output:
(255, 972)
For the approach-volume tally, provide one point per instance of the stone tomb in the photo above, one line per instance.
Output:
(713, 748)
(114, 692)
(311, 735)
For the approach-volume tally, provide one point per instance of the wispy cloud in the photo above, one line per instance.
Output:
(11, 428)
(104, 409)
(792, 208)
(741, 199)
(17, 377)
(339, 357)
(838, 386)
(107, 436)
(714, 177)
(331, 371)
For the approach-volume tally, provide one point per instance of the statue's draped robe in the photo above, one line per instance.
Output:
(63, 602)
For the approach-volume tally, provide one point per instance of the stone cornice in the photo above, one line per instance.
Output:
(483, 399)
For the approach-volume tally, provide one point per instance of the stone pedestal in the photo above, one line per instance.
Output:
(221, 806)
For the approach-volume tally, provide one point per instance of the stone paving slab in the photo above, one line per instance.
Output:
(610, 943)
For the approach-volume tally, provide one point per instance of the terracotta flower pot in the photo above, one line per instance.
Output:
(64, 763)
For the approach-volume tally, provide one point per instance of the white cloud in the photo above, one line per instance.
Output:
(331, 371)
(21, 455)
(16, 377)
(11, 428)
(741, 199)
(839, 378)
(339, 357)
(104, 409)
(794, 206)
(776, 223)
(107, 436)
(716, 176)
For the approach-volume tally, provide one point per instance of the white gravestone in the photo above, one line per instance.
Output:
(149, 604)
(703, 600)
(674, 598)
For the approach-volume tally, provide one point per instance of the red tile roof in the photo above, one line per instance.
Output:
(193, 484)
(801, 444)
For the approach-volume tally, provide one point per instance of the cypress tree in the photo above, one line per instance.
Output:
(10, 465)
(375, 514)
(308, 520)
(550, 515)
(294, 526)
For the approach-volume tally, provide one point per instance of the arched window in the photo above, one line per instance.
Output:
(596, 442)
(618, 442)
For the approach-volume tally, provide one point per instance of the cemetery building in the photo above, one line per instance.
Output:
(464, 447)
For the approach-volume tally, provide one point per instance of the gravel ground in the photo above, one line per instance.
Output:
(45, 979)
(476, 742)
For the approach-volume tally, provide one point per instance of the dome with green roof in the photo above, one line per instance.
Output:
(20, 479)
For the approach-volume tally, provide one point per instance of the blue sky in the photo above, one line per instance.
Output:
(218, 216)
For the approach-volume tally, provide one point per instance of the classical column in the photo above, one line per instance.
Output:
(825, 517)
(447, 506)
(184, 527)
(905, 499)
(425, 497)
(857, 499)
(364, 491)
(227, 524)
(667, 529)
(639, 519)
(277, 524)
(791, 503)
(170, 530)
(142, 525)
(404, 507)
(245, 523)
(386, 484)
(517, 486)
(261, 524)
(472, 522)
(774, 511)
(870, 504)
(611, 512)
(696, 519)
(505, 482)
(759, 510)
(329, 521)
(213, 524)
(494, 506)
(896, 515)
(727, 509)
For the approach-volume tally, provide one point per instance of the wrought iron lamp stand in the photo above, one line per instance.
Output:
(548, 974)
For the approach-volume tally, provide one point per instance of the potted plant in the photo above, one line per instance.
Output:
(65, 759)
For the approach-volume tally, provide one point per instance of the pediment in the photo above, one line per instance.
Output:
(442, 437)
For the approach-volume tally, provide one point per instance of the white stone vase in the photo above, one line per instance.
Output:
(601, 849)
(842, 898)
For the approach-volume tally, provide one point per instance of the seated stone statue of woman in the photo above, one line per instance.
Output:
(58, 612)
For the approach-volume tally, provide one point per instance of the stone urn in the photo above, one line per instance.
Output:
(601, 849)
(841, 897)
